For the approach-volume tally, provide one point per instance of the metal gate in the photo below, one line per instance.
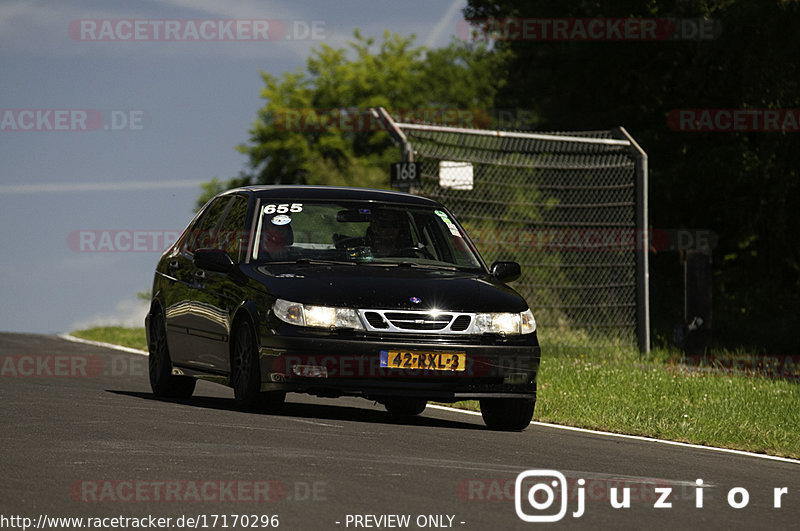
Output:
(571, 208)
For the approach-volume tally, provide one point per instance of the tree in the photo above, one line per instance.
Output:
(315, 127)
(743, 185)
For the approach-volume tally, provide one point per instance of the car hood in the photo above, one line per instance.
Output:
(390, 287)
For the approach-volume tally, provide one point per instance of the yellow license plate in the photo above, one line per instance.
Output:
(434, 361)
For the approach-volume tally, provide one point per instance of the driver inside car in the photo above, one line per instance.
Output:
(389, 234)
(277, 240)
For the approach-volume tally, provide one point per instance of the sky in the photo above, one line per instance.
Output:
(108, 129)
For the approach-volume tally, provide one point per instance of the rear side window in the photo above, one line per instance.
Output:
(203, 233)
(232, 235)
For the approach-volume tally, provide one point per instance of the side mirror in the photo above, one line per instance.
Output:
(506, 271)
(213, 260)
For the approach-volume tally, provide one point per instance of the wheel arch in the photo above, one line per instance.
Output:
(245, 312)
(155, 307)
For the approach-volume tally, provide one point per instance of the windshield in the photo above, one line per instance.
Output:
(360, 233)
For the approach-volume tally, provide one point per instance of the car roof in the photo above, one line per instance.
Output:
(335, 193)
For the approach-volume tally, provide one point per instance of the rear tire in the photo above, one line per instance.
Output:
(405, 407)
(162, 381)
(246, 374)
(507, 414)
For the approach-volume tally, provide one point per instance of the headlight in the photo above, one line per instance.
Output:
(505, 323)
(527, 322)
(316, 316)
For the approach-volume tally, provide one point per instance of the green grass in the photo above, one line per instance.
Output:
(614, 389)
(648, 397)
(127, 337)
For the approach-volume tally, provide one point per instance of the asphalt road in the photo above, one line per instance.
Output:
(82, 436)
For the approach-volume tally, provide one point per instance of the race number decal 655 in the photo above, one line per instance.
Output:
(283, 208)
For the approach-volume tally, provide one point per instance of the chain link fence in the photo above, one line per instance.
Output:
(569, 207)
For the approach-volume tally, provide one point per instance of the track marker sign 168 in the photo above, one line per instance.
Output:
(404, 175)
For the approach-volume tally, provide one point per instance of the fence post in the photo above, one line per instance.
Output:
(399, 138)
(697, 301)
(642, 244)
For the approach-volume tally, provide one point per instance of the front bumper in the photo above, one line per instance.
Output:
(327, 365)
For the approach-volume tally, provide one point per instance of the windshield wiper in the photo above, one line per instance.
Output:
(313, 261)
(420, 266)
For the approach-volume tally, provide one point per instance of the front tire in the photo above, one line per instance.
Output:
(246, 374)
(507, 414)
(162, 381)
(405, 407)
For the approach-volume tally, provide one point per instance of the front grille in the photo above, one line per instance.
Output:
(461, 323)
(412, 321)
(375, 320)
(419, 321)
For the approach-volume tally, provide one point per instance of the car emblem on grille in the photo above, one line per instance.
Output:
(415, 300)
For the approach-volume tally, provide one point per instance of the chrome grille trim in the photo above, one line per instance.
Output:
(417, 321)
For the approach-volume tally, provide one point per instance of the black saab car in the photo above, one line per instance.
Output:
(340, 292)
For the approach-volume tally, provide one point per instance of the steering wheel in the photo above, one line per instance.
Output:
(343, 242)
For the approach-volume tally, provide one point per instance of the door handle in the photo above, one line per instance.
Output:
(173, 264)
(200, 274)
